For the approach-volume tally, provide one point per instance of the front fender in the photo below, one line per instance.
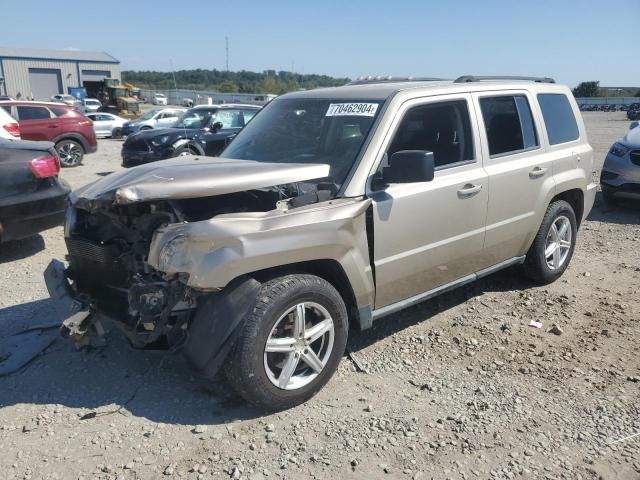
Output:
(216, 251)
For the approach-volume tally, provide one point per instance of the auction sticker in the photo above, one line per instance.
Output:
(359, 109)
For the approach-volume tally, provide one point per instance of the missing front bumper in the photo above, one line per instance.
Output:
(81, 324)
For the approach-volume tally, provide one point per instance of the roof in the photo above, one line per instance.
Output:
(379, 91)
(49, 54)
(228, 105)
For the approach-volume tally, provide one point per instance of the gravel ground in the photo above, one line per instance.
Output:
(458, 387)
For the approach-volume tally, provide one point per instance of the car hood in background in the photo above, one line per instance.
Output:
(158, 132)
(191, 177)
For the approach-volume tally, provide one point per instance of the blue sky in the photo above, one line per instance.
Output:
(568, 39)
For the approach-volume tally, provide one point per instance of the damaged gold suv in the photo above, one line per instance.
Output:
(331, 209)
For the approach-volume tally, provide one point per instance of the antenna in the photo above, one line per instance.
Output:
(226, 46)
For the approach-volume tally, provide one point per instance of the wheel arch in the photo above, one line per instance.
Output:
(327, 269)
(575, 198)
(71, 136)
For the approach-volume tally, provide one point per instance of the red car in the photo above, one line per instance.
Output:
(70, 131)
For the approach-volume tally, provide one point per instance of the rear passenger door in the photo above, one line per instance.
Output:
(520, 173)
(573, 155)
(428, 234)
(37, 123)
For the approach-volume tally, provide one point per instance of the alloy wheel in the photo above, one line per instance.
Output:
(70, 154)
(299, 346)
(558, 244)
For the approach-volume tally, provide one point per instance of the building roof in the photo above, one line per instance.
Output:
(49, 54)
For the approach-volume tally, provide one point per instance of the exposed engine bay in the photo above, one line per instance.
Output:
(109, 247)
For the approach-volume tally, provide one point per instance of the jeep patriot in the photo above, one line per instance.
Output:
(331, 209)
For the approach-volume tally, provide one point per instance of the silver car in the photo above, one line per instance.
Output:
(91, 104)
(107, 124)
(620, 176)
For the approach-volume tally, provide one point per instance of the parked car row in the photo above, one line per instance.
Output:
(633, 113)
(201, 130)
(588, 107)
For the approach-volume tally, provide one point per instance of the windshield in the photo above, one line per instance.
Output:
(92, 102)
(159, 95)
(194, 119)
(149, 115)
(307, 130)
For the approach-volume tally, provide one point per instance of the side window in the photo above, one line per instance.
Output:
(59, 112)
(32, 113)
(559, 119)
(93, 118)
(7, 108)
(248, 115)
(509, 124)
(442, 128)
(229, 118)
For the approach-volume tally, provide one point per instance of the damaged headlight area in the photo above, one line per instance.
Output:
(160, 140)
(174, 255)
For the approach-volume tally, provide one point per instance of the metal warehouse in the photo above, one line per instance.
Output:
(40, 73)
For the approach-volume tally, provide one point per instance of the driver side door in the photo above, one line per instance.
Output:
(214, 141)
(430, 234)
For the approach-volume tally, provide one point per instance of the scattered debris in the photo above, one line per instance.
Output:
(359, 366)
(535, 324)
(555, 329)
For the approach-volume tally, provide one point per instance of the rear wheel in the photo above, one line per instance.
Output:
(291, 344)
(116, 133)
(70, 152)
(553, 247)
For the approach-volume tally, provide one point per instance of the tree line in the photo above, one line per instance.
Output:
(269, 81)
(593, 89)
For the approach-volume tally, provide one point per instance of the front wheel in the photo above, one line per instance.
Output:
(291, 344)
(70, 153)
(184, 151)
(553, 247)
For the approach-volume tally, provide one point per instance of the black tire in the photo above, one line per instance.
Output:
(535, 265)
(245, 365)
(70, 153)
(186, 150)
(116, 133)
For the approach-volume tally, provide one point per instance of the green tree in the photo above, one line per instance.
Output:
(587, 89)
(228, 87)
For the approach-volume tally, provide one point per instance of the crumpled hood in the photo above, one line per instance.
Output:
(192, 177)
(632, 138)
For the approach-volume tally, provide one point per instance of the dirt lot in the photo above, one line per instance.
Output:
(459, 387)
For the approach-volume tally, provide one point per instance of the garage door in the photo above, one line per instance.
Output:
(45, 82)
(95, 75)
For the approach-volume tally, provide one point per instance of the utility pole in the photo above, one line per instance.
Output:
(226, 42)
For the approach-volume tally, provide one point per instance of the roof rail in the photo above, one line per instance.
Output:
(476, 78)
(389, 79)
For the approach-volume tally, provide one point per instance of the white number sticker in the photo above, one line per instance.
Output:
(359, 109)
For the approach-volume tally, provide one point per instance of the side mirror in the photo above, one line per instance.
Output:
(634, 124)
(408, 166)
(216, 126)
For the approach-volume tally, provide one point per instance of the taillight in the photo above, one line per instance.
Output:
(45, 167)
(13, 129)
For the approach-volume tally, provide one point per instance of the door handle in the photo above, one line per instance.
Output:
(469, 190)
(537, 172)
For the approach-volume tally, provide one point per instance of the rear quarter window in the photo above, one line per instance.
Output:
(559, 120)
